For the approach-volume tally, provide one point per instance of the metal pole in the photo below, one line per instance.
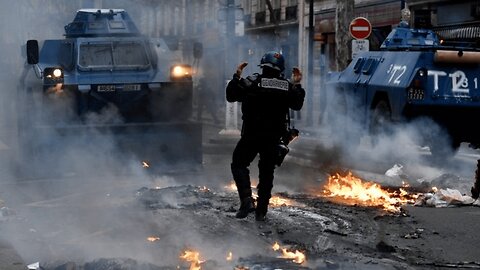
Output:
(311, 32)
(229, 36)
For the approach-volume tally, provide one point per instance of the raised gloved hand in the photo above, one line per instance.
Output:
(240, 69)
(296, 75)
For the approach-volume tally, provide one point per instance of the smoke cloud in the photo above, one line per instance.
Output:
(75, 199)
(410, 144)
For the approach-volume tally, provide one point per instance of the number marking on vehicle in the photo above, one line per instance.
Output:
(132, 87)
(396, 72)
(459, 81)
(106, 88)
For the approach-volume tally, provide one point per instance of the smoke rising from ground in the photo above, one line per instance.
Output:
(409, 144)
(99, 199)
(85, 172)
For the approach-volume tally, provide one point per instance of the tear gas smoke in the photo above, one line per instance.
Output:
(48, 207)
(408, 143)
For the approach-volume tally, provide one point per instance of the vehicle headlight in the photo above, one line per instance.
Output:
(54, 73)
(181, 72)
(57, 73)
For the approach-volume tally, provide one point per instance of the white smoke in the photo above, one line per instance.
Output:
(84, 208)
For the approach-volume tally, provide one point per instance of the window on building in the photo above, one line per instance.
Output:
(291, 13)
(292, 3)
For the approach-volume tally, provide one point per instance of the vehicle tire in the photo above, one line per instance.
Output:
(380, 119)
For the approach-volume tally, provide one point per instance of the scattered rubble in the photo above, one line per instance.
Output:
(444, 198)
(175, 197)
(309, 224)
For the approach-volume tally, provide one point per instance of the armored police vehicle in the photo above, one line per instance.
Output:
(415, 75)
(105, 83)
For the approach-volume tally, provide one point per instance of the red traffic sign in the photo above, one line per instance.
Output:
(360, 28)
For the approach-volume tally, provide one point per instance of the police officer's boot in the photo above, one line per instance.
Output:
(261, 210)
(247, 206)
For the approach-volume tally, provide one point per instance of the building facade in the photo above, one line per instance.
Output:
(457, 21)
(283, 25)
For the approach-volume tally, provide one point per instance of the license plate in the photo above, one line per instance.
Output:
(132, 87)
(106, 88)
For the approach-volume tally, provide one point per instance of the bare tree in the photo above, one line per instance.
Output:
(343, 40)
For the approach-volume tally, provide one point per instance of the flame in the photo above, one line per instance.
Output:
(153, 238)
(193, 257)
(145, 164)
(363, 193)
(279, 201)
(296, 256)
(229, 256)
(231, 187)
(276, 246)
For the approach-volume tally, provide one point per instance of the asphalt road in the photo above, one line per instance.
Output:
(74, 218)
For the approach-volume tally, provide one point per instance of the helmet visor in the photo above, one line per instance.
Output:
(269, 65)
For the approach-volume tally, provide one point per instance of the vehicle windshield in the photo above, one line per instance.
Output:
(116, 55)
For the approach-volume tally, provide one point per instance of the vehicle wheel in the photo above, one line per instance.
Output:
(381, 119)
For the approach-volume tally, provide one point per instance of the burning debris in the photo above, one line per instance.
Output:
(193, 257)
(280, 201)
(153, 238)
(296, 256)
(353, 190)
(229, 256)
(232, 187)
(275, 201)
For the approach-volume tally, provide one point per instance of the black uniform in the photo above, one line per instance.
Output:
(265, 107)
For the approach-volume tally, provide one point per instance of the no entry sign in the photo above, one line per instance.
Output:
(360, 28)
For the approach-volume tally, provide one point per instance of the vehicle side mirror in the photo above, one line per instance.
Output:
(32, 52)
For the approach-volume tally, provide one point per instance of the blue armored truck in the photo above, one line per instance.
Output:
(414, 75)
(106, 83)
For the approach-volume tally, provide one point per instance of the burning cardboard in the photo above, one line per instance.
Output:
(350, 189)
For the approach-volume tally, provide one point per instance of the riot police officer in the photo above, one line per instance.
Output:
(266, 99)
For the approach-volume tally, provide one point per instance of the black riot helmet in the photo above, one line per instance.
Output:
(273, 59)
